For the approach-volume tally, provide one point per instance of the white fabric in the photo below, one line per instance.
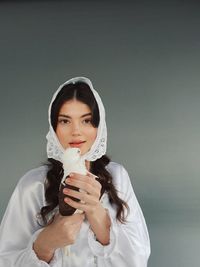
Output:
(98, 149)
(129, 243)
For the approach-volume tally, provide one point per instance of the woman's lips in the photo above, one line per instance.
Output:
(76, 144)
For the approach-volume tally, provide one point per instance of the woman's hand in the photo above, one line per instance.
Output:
(60, 233)
(89, 196)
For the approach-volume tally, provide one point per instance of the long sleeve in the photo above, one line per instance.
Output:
(19, 227)
(129, 243)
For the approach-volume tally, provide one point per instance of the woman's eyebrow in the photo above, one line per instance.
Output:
(66, 116)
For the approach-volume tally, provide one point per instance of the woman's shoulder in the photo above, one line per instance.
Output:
(118, 172)
(120, 179)
(114, 167)
(33, 177)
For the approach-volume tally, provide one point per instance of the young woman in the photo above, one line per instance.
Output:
(111, 230)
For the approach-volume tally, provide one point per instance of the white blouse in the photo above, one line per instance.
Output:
(129, 243)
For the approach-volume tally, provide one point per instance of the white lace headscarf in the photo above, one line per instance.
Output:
(98, 149)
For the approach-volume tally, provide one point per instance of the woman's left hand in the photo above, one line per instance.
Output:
(89, 194)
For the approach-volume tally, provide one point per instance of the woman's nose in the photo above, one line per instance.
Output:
(76, 129)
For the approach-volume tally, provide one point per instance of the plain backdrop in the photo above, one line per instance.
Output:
(143, 58)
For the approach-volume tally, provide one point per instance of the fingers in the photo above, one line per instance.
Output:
(85, 182)
(88, 208)
(88, 194)
(88, 179)
(82, 196)
(76, 194)
(77, 205)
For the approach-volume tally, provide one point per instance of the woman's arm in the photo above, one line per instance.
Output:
(59, 234)
(129, 243)
(100, 224)
(19, 228)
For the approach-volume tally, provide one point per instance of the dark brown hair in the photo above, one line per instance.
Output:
(81, 92)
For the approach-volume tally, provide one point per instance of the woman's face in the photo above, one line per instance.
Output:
(74, 127)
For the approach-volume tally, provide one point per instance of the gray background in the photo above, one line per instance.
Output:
(144, 59)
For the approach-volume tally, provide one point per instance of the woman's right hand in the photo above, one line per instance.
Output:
(60, 233)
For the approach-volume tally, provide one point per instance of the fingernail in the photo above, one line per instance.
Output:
(71, 174)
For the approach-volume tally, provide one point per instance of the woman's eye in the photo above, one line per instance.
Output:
(87, 121)
(63, 121)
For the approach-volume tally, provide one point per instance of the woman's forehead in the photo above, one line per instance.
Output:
(74, 107)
